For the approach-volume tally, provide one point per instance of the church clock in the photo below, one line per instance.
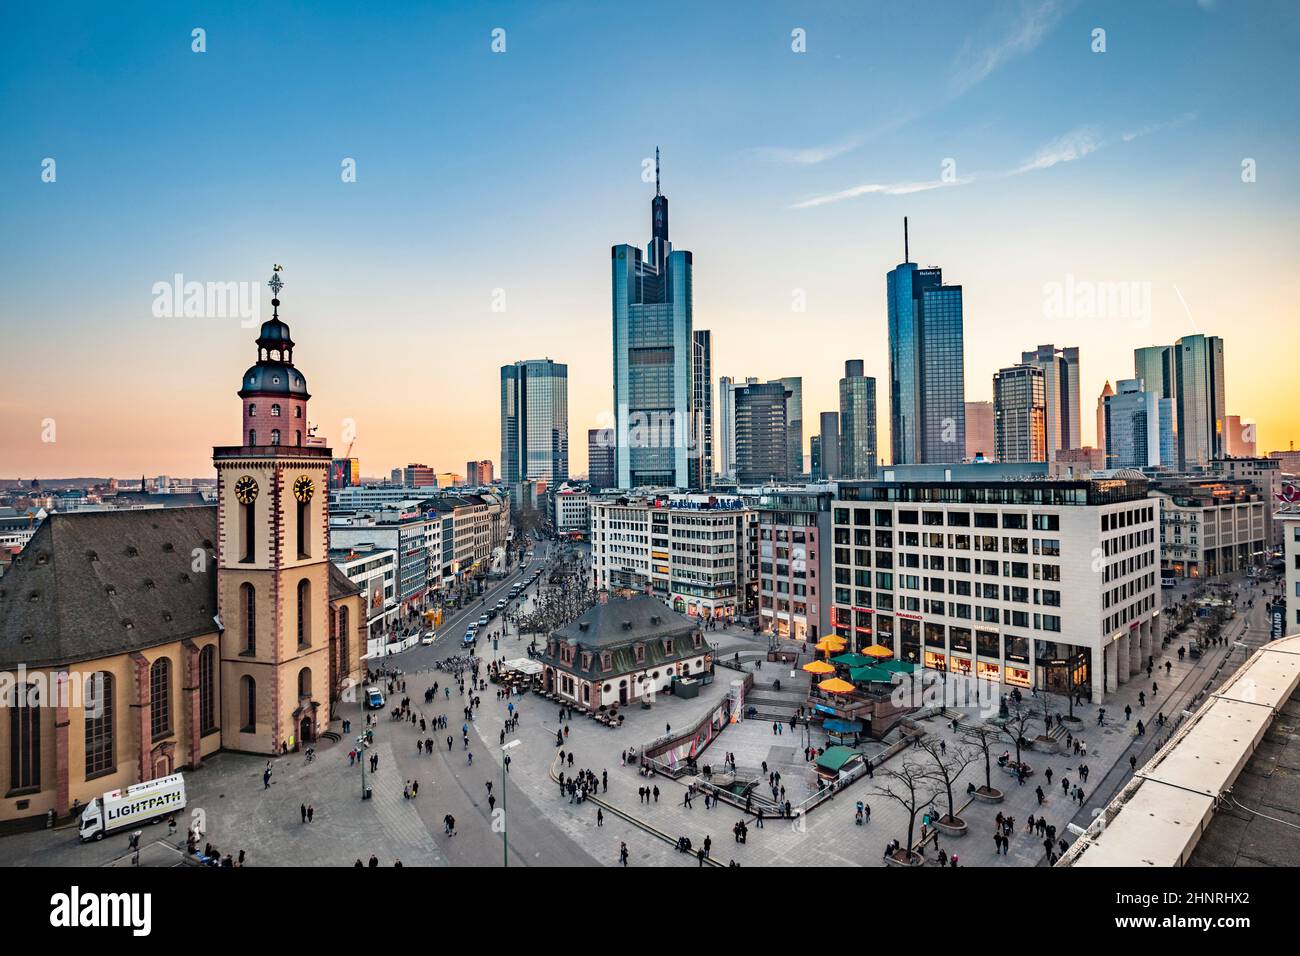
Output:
(303, 488)
(246, 490)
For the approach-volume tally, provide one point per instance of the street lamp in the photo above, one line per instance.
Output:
(505, 834)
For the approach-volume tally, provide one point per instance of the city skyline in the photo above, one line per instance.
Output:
(1042, 212)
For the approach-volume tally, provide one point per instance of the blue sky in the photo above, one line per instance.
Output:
(479, 171)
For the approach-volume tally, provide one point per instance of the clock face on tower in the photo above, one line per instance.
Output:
(246, 490)
(303, 488)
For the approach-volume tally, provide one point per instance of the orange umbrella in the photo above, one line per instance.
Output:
(877, 650)
(836, 686)
(819, 667)
(832, 642)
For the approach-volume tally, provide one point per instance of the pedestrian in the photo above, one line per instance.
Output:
(600, 817)
(622, 853)
(302, 809)
(311, 812)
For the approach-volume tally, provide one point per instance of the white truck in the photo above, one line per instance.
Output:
(142, 803)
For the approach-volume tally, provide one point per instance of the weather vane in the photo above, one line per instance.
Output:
(276, 285)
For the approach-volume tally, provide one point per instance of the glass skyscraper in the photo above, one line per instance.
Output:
(927, 386)
(653, 355)
(702, 409)
(857, 423)
(1020, 414)
(794, 422)
(1132, 426)
(762, 436)
(534, 422)
(1198, 365)
(1061, 386)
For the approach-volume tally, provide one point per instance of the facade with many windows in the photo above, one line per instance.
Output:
(1211, 526)
(794, 529)
(1031, 583)
(692, 551)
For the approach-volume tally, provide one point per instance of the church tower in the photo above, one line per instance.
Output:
(273, 572)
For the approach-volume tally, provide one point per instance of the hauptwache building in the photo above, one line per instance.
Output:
(134, 644)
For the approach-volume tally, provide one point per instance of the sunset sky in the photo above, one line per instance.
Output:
(1022, 158)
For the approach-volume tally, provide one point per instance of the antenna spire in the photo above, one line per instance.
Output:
(906, 258)
(657, 193)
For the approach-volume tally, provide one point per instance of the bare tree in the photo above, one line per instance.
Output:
(948, 766)
(984, 737)
(1020, 718)
(912, 787)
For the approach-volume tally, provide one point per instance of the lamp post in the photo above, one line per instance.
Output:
(505, 833)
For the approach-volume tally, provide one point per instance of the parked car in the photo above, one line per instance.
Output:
(374, 699)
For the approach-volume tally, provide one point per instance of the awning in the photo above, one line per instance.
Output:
(853, 660)
(836, 686)
(522, 664)
(838, 726)
(868, 674)
(819, 667)
(835, 758)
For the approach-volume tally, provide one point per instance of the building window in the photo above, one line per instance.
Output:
(252, 437)
(304, 612)
(25, 738)
(207, 689)
(247, 705)
(99, 726)
(275, 411)
(304, 529)
(345, 641)
(297, 411)
(160, 698)
(275, 436)
(250, 517)
(252, 410)
(304, 682)
(248, 598)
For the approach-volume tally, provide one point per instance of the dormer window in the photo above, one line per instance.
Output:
(606, 661)
(668, 646)
(697, 639)
(638, 651)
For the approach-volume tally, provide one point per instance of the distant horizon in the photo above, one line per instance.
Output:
(1106, 200)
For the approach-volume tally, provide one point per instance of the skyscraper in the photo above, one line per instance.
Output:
(857, 423)
(653, 355)
(1106, 392)
(534, 423)
(979, 429)
(815, 457)
(702, 409)
(830, 451)
(927, 389)
(1020, 414)
(1154, 366)
(762, 439)
(1132, 426)
(1061, 385)
(601, 472)
(794, 422)
(1200, 399)
(724, 445)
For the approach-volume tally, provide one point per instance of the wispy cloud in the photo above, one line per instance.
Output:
(1075, 144)
(977, 61)
(809, 156)
(1158, 127)
(886, 189)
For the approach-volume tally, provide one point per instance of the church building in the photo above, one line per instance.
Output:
(134, 644)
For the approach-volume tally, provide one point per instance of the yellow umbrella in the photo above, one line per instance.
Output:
(819, 667)
(832, 642)
(836, 686)
(877, 650)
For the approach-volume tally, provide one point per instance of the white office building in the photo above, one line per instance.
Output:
(991, 572)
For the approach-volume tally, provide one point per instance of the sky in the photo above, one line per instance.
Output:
(489, 187)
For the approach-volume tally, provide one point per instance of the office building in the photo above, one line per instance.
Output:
(601, 472)
(1198, 361)
(1106, 392)
(998, 573)
(653, 354)
(979, 430)
(1061, 388)
(793, 422)
(534, 424)
(857, 422)
(830, 447)
(419, 476)
(1210, 525)
(691, 551)
(1238, 437)
(762, 435)
(1132, 426)
(344, 472)
(478, 473)
(702, 409)
(794, 562)
(1020, 414)
(927, 390)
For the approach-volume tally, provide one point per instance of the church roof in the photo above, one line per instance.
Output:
(101, 583)
(84, 577)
